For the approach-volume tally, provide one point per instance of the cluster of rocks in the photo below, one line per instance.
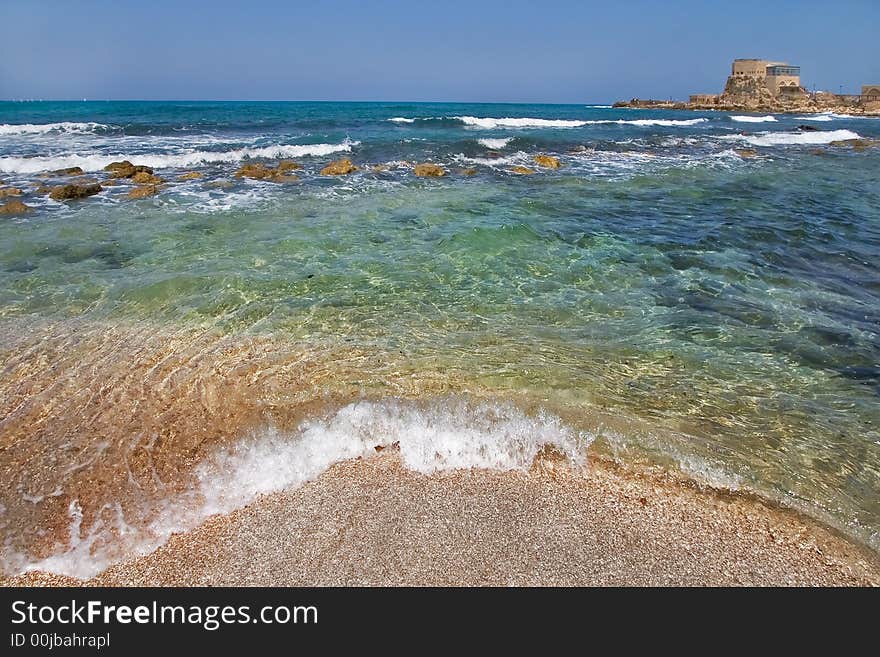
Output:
(745, 95)
(146, 183)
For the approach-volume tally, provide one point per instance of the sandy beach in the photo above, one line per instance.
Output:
(373, 522)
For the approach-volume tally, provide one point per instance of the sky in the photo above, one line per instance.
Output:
(554, 51)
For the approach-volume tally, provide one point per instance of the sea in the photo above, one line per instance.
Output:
(694, 292)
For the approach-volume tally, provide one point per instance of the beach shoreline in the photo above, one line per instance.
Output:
(373, 522)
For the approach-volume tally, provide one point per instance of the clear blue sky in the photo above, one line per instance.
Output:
(535, 51)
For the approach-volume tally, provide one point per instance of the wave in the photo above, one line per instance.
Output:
(44, 128)
(798, 138)
(816, 117)
(495, 144)
(402, 119)
(753, 119)
(668, 123)
(446, 434)
(508, 122)
(168, 160)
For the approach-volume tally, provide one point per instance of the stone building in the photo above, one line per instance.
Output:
(871, 90)
(777, 77)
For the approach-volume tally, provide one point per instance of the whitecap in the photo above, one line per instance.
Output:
(508, 122)
(795, 138)
(754, 119)
(402, 119)
(43, 128)
(168, 160)
(495, 144)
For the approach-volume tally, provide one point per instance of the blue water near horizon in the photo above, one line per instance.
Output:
(712, 276)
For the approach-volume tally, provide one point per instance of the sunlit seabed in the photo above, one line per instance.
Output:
(661, 296)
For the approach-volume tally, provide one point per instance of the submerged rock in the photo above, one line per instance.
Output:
(857, 144)
(143, 191)
(747, 152)
(288, 165)
(547, 161)
(6, 192)
(69, 192)
(522, 171)
(469, 172)
(189, 175)
(426, 169)
(339, 168)
(14, 207)
(807, 128)
(69, 171)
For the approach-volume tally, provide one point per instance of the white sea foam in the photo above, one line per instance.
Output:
(667, 123)
(445, 434)
(507, 122)
(815, 117)
(754, 119)
(795, 138)
(495, 144)
(43, 128)
(402, 119)
(168, 160)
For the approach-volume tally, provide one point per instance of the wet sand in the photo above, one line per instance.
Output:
(373, 522)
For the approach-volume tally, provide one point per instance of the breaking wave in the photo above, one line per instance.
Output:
(495, 143)
(508, 122)
(797, 138)
(754, 119)
(168, 160)
(44, 128)
(446, 434)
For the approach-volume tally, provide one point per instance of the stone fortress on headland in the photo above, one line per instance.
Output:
(771, 86)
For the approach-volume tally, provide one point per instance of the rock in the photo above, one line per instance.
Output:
(747, 152)
(143, 191)
(14, 207)
(380, 168)
(338, 168)
(144, 178)
(547, 161)
(68, 192)
(857, 144)
(70, 171)
(819, 151)
(287, 165)
(522, 171)
(110, 182)
(807, 128)
(42, 190)
(253, 170)
(220, 184)
(6, 192)
(580, 148)
(84, 180)
(189, 175)
(428, 170)
(126, 169)
(281, 178)
(469, 172)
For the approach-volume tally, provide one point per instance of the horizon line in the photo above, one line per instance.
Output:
(279, 100)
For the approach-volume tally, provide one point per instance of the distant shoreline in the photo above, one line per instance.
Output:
(855, 110)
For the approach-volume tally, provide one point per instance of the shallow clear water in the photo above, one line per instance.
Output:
(723, 303)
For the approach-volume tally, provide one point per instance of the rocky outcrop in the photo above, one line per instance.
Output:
(6, 192)
(428, 170)
(14, 207)
(522, 171)
(70, 192)
(547, 161)
(189, 175)
(258, 171)
(339, 168)
(126, 169)
(143, 191)
(144, 178)
(288, 165)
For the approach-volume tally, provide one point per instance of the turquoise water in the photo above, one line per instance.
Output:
(712, 281)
